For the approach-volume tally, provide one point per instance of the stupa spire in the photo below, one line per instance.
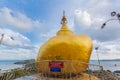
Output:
(64, 20)
(64, 29)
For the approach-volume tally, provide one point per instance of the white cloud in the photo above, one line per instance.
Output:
(83, 17)
(21, 47)
(17, 54)
(19, 40)
(10, 17)
(99, 12)
(87, 20)
(107, 50)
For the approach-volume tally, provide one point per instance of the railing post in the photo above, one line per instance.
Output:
(77, 70)
(89, 73)
(67, 68)
(101, 68)
(70, 69)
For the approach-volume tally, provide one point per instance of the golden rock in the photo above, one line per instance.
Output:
(65, 46)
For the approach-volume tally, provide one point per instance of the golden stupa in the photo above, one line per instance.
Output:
(67, 47)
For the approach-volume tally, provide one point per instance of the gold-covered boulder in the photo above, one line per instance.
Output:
(73, 50)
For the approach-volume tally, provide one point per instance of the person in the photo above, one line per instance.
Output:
(115, 65)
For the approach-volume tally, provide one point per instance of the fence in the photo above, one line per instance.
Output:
(57, 69)
(60, 70)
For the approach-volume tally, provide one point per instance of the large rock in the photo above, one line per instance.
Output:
(65, 46)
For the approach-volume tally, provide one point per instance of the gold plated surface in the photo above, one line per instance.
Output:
(66, 46)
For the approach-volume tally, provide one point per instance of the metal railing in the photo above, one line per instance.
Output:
(65, 69)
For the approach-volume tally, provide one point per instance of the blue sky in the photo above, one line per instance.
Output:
(32, 22)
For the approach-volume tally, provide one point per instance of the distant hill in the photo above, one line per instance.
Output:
(25, 61)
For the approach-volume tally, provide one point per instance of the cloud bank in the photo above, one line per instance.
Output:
(18, 20)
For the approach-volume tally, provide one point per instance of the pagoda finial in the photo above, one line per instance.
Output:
(64, 20)
(64, 29)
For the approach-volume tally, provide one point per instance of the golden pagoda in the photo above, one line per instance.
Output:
(65, 46)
